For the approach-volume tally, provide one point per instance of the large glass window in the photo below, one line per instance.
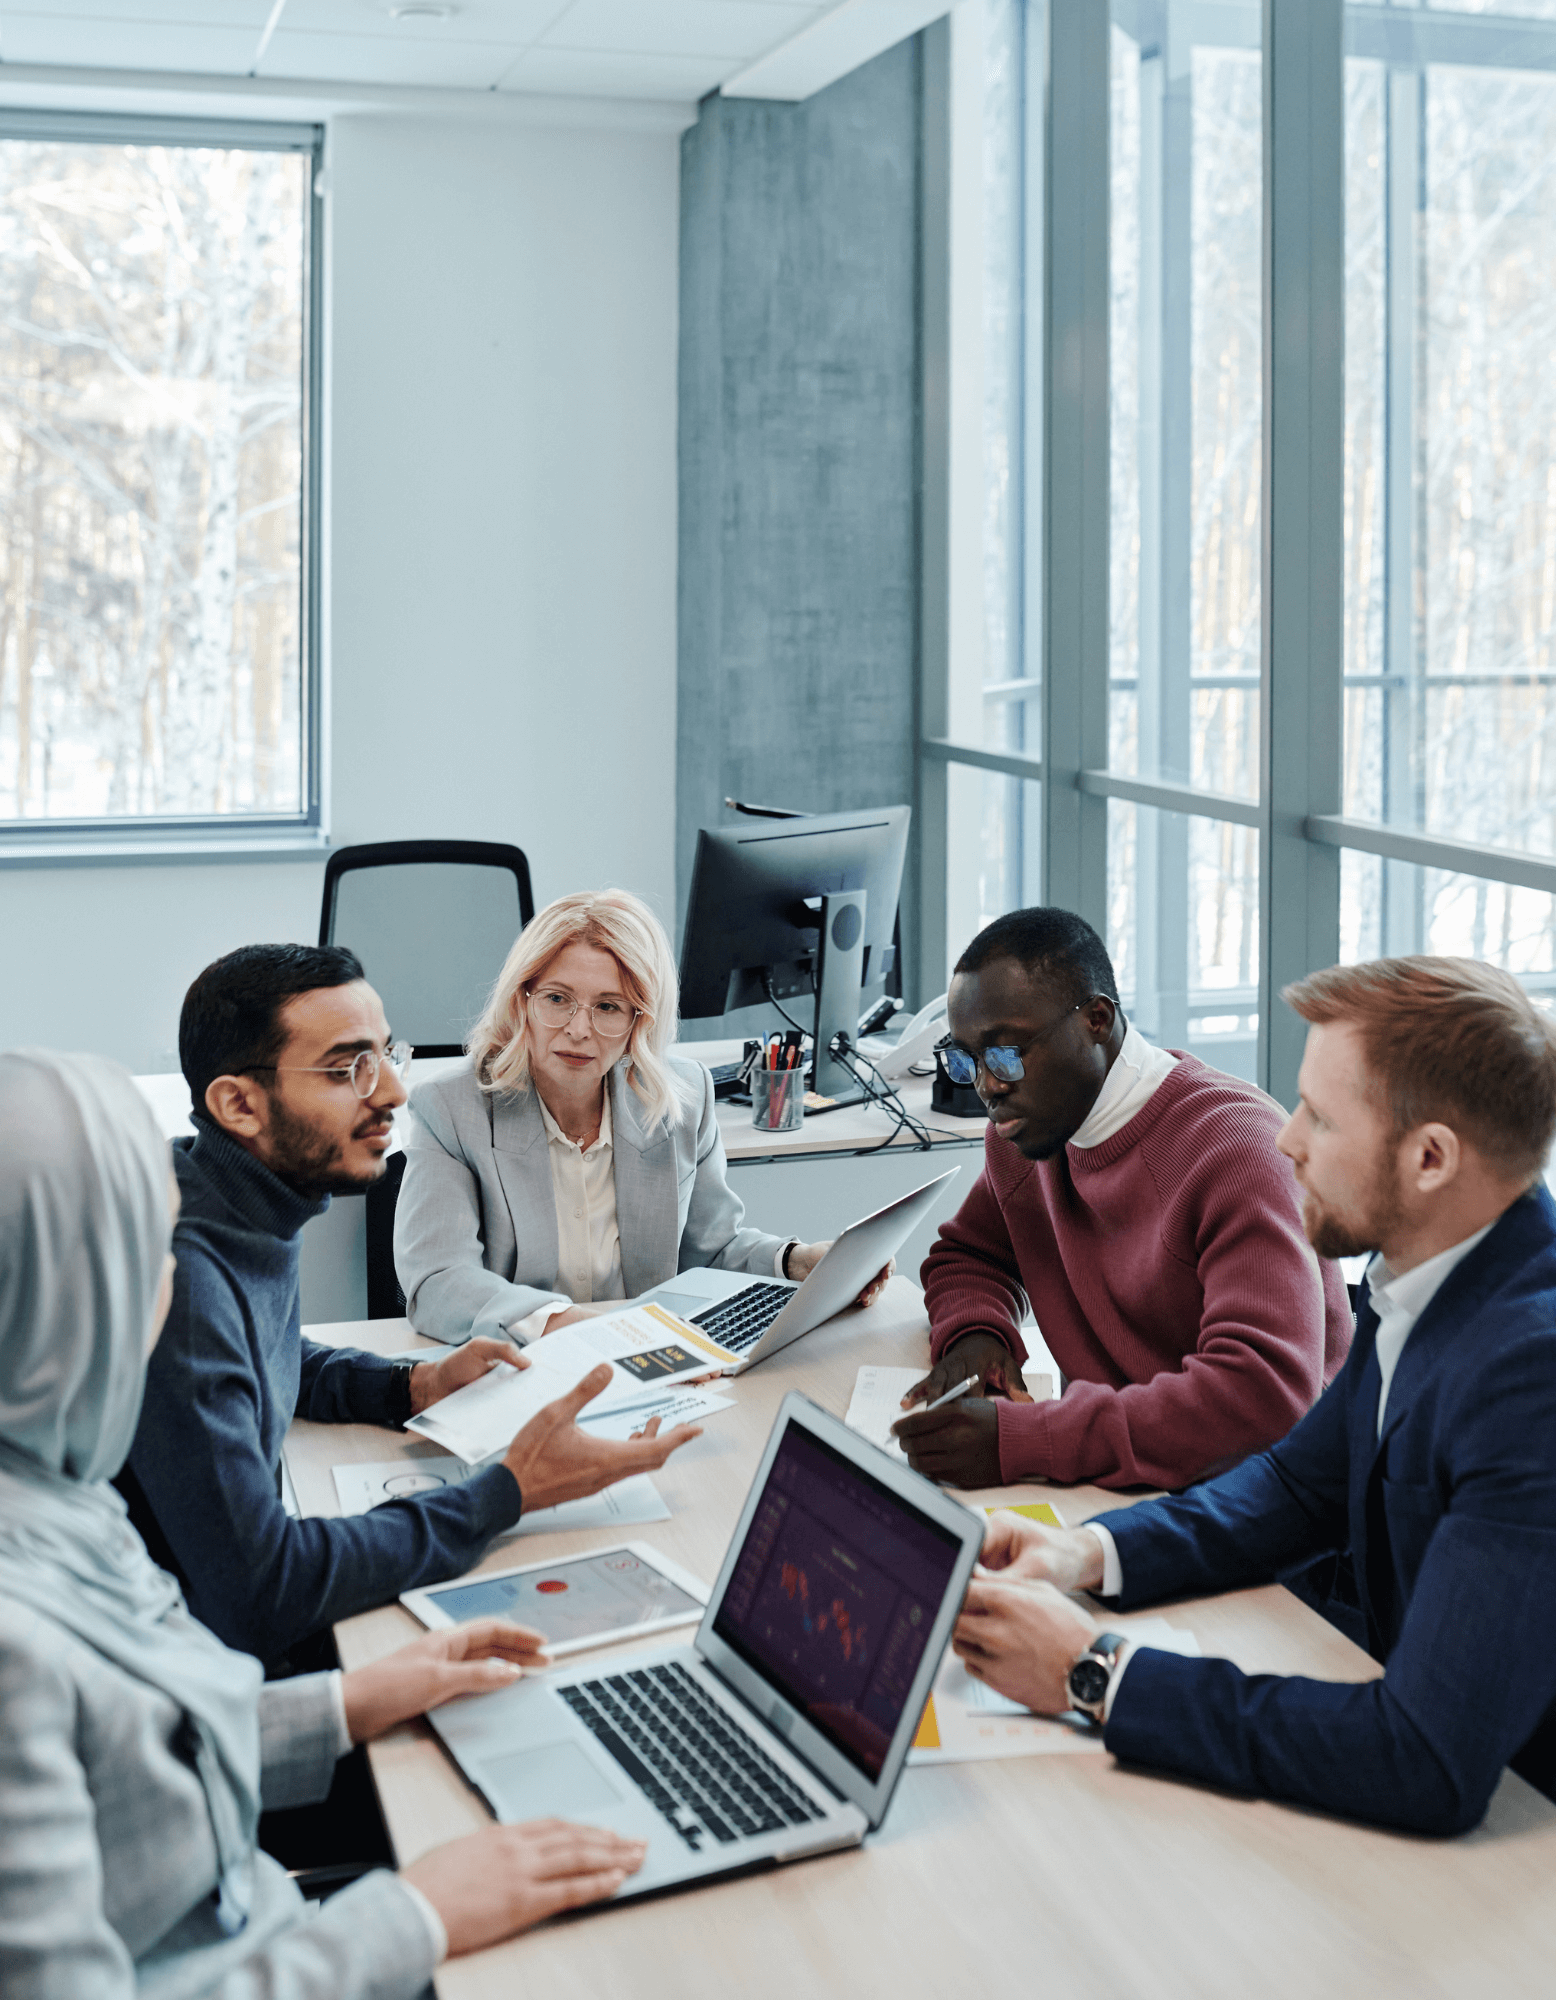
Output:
(155, 364)
(1406, 507)
(1450, 673)
(1185, 407)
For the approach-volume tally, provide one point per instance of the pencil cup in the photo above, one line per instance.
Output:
(778, 1099)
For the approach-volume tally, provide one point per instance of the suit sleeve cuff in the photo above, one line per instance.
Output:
(1112, 1584)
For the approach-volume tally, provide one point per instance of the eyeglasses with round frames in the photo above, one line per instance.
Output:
(610, 1020)
(1003, 1061)
(361, 1072)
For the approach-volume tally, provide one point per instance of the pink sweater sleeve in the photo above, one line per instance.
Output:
(1257, 1365)
(971, 1277)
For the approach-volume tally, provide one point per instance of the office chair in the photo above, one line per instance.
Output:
(432, 922)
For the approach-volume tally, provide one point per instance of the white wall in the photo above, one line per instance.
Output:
(500, 566)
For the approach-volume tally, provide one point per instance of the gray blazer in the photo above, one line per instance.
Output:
(475, 1236)
(108, 1859)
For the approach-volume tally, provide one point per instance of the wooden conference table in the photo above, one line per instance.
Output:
(1055, 1875)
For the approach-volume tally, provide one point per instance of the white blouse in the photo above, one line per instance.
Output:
(588, 1245)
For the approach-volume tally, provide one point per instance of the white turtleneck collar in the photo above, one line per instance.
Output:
(1138, 1071)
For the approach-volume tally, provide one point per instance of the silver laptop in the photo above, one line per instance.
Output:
(751, 1318)
(781, 1731)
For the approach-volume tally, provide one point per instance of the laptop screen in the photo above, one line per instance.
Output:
(834, 1594)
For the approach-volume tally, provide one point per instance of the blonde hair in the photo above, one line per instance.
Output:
(612, 921)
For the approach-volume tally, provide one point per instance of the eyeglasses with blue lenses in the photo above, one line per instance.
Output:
(1003, 1060)
(1003, 1063)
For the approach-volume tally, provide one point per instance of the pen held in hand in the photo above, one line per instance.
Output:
(967, 1382)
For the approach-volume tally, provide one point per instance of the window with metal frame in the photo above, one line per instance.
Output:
(1290, 526)
(159, 370)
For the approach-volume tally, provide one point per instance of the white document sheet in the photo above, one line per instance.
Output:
(675, 1406)
(650, 1350)
(626, 1504)
(966, 1721)
(876, 1404)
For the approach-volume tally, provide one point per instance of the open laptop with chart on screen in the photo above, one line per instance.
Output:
(781, 1731)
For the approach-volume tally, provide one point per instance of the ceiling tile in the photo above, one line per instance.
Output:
(739, 29)
(502, 23)
(145, 45)
(164, 13)
(587, 73)
(398, 58)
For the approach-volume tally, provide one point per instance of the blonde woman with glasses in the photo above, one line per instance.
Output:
(574, 1160)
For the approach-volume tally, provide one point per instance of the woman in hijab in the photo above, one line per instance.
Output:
(135, 1749)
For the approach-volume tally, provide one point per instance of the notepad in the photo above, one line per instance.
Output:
(876, 1404)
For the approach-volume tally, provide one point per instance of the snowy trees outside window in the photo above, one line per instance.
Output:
(153, 356)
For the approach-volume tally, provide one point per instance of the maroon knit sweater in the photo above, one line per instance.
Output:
(1169, 1275)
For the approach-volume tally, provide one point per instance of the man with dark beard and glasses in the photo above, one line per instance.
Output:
(1427, 1109)
(295, 1080)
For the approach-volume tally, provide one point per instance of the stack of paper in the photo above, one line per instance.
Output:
(650, 1351)
(630, 1501)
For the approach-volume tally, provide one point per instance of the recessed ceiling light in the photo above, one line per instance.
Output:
(420, 10)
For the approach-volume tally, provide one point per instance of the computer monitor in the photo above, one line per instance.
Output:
(796, 906)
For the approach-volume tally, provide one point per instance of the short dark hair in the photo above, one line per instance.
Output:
(1051, 944)
(231, 1019)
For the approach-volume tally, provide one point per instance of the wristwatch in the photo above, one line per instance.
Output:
(400, 1388)
(1092, 1674)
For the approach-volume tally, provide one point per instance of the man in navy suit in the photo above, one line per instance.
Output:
(1427, 1108)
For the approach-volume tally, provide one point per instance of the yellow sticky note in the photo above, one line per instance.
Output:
(1035, 1510)
(928, 1737)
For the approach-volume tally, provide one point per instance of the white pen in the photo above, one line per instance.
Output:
(967, 1382)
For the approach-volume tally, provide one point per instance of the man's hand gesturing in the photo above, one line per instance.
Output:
(553, 1460)
(431, 1381)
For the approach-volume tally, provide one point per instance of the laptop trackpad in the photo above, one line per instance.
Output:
(554, 1780)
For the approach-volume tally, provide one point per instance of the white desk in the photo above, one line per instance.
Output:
(1067, 1877)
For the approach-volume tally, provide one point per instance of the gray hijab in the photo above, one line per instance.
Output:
(84, 1230)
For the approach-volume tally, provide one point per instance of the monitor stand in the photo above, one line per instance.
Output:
(839, 977)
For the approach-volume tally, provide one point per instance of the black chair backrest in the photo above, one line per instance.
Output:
(385, 1300)
(432, 922)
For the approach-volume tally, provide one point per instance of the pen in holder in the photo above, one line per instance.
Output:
(778, 1095)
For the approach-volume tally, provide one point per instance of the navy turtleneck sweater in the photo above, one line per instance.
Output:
(229, 1373)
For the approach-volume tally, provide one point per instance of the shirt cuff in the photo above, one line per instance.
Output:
(790, 1243)
(343, 1741)
(430, 1918)
(534, 1324)
(1112, 1584)
(1118, 1672)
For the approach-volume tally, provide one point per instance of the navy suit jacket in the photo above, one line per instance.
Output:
(1450, 1521)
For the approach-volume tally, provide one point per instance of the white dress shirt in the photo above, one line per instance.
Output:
(1138, 1071)
(583, 1183)
(1399, 1303)
(588, 1245)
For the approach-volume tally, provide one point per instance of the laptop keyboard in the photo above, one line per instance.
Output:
(740, 1322)
(701, 1772)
